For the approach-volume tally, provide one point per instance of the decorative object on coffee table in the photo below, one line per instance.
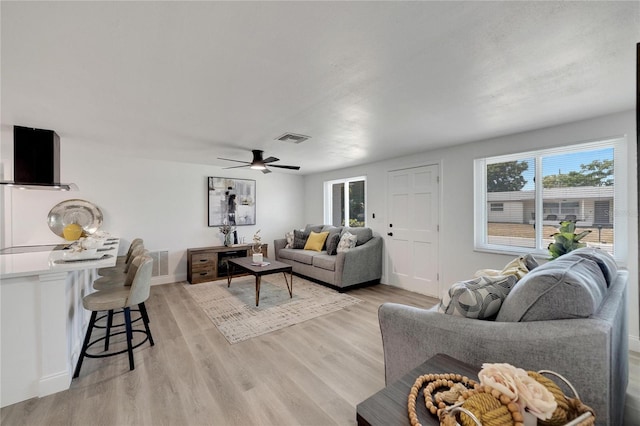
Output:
(256, 248)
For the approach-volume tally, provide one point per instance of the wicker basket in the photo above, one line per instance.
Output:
(570, 412)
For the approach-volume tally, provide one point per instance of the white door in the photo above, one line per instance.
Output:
(412, 232)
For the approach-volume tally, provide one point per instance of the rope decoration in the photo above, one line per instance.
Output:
(476, 404)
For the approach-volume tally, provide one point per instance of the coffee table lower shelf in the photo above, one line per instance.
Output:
(389, 406)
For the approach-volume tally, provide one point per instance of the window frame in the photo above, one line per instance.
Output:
(328, 198)
(620, 197)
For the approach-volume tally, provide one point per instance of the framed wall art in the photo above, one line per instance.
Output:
(231, 201)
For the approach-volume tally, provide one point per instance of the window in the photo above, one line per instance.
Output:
(522, 198)
(345, 202)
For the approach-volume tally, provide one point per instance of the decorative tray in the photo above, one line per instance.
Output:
(82, 212)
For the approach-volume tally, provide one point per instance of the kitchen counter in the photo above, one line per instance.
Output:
(43, 320)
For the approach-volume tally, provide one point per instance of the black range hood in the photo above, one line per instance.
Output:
(36, 160)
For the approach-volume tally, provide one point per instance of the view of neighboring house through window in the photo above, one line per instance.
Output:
(522, 198)
(345, 202)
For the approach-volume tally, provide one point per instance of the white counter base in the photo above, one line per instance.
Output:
(43, 324)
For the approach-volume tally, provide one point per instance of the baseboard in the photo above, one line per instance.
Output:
(54, 383)
(168, 279)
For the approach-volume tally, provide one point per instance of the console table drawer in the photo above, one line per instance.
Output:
(204, 260)
(203, 275)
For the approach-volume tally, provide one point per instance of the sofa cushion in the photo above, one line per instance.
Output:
(479, 298)
(289, 237)
(325, 261)
(316, 241)
(304, 256)
(604, 260)
(287, 253)
(363, 234)
(332, 244)
(347, 242)
(560, 289)
(299, 239)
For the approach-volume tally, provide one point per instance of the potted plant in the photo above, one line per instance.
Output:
(566, 239)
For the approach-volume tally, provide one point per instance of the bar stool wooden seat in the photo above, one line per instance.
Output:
(124, 298)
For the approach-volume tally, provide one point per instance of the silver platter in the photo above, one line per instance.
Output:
(82, 212)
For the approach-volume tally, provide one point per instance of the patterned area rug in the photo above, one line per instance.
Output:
(233, 310)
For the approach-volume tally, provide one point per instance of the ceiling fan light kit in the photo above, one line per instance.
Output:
(258, 163)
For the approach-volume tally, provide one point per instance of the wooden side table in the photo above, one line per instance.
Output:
(389, 406)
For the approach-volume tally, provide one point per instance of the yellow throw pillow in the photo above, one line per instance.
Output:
(316, 241)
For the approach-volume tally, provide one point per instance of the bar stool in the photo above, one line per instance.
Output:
(120, 298)
(121, 270)
(121, 260)
(119, 279)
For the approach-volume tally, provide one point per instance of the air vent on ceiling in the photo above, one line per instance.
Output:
(293, 138)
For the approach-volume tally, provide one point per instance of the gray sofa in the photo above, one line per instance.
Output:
(359, 266)
(588, 343)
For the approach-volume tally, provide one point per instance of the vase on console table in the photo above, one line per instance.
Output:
(228, 239)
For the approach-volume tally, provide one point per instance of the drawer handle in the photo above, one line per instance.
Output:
(204, 260)
(203, 273)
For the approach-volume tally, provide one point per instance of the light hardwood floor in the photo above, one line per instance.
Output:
(313, 373)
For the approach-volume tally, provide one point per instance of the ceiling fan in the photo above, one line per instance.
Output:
(258, 163)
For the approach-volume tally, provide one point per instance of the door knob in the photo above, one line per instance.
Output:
(390, 234)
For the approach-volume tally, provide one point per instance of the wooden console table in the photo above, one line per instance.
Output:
(210, 263)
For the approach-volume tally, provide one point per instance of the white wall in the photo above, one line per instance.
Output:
(165, 203)
(458, 258)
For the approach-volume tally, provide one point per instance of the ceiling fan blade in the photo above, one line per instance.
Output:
(270, 160)
(285, 167)
(236, 167)
(265, 171)
(237, 161)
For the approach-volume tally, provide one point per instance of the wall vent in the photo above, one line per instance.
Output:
(160, 263)
(293, 138)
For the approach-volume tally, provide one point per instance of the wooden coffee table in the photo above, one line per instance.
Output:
(389, 406)
(245, 263)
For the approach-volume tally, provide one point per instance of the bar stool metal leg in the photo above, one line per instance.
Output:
(127, 322)
(145, 320)
(85, 344)
(109, 325)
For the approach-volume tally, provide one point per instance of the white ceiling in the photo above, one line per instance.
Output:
(193, 81)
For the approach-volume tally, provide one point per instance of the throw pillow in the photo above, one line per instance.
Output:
(332, 243)
(315, 241)
(347, 242)
(479, 298)
(567, 287)
(299, 239)
(517, 267)
(289, 238)
(363, 234)
(605, 261)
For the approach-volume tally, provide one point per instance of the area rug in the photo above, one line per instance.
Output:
(233, 310)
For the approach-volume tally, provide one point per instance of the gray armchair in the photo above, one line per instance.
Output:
(592, 353)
